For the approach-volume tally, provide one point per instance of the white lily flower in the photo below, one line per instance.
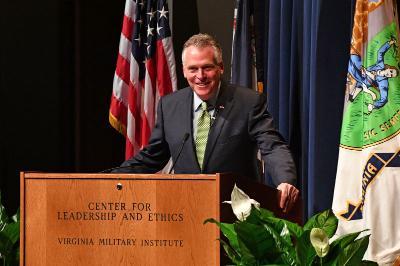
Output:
(241, 203)
(320, 241)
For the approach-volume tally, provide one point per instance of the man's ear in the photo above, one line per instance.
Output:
(221, 65)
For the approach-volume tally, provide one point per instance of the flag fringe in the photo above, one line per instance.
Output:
(115, 123)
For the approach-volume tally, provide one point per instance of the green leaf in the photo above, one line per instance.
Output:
(4, 220)
(12, 259)
(257, 239)
(285, 234)
(8, 237)
(304, 250)
(353, 253)
(279, 231)
(283, 243)
(337, 246)
(12, 232)
(230, 252)
(325, 220)
(5, 244)
(247, 258)
(294, 229)
(16, 216)
(263, 213)
(254, 217)
(228, 231)
(345, 240)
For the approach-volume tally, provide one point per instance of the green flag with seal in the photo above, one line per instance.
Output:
(367, 189)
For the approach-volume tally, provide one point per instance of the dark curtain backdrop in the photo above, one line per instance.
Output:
(302, 51)
(305, 70)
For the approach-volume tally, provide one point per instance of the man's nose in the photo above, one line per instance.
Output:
(200, 73)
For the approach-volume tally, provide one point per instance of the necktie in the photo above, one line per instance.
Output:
(203, 127)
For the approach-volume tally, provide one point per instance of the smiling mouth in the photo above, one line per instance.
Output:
(202, 84)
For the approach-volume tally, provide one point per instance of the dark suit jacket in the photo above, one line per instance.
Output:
(241, 127)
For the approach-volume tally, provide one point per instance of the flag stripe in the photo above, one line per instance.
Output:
(120, 90)
(130, 9)
(168, 52)
(122, 70)
(118, 109)
(163, 81)
(127, 27)
(125, 47)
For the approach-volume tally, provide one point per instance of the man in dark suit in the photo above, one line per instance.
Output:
(224, 136)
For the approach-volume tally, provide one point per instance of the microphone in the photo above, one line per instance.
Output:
(185, 137)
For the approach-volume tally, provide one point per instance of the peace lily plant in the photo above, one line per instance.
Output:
(260, 238)
(9, 236)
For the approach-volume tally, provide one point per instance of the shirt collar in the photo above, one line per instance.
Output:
(211, 102)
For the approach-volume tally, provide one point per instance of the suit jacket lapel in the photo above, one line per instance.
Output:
(222, 109)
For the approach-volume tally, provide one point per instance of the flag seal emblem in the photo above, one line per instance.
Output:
(372, 107)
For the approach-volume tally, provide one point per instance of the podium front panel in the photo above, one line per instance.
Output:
(109, 219)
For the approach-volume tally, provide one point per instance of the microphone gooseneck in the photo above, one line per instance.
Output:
(185, 138)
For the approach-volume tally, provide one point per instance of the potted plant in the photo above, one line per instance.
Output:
(9, 236)
(260, 238)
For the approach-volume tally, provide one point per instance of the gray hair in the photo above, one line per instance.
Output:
(203, 40)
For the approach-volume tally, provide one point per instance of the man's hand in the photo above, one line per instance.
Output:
(288, 196)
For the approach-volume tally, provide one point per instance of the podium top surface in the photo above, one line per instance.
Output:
(118, 176)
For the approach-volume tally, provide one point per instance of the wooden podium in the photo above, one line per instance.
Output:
(128, 219)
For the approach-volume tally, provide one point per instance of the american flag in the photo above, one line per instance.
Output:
(145, 71)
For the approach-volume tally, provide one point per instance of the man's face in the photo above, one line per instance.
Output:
(201, 71)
